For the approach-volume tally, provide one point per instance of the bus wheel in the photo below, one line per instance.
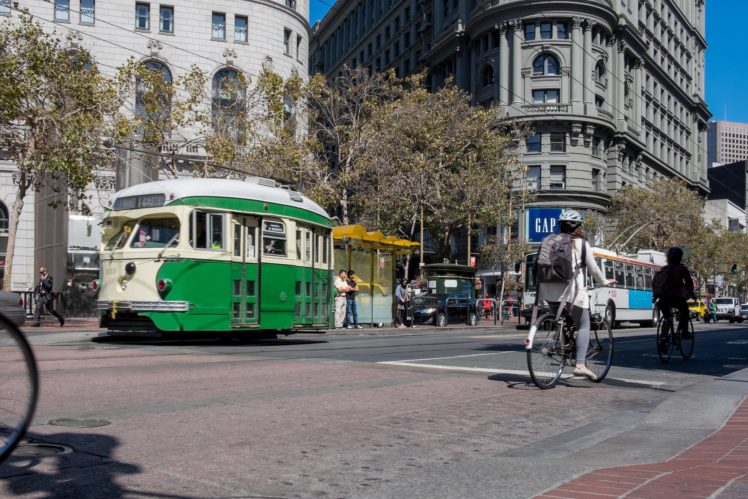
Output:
(610, 315)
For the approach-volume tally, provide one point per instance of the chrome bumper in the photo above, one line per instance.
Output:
(144, 306)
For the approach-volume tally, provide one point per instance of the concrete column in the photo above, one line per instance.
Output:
(577, 65)
(638, 95)
(504, 65)
(609, 75)
(517, 63)
(620, 81)
(589, 63)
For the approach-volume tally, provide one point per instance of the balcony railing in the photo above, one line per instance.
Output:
(606, 114)
(545, 108)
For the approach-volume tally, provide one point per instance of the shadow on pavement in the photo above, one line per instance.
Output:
(206, 339)
(65, 465)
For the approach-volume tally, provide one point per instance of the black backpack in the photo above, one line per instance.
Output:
(662, 286)
(555, 261)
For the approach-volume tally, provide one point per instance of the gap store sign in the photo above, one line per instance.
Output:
(539, 222)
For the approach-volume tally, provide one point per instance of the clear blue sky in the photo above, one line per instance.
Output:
(726, 74)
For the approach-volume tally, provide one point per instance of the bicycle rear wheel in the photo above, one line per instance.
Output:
(686, 344)
(664, 337)
(19, 386)
(545, 360)
(600, 351)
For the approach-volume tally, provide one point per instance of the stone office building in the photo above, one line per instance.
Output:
(614, 89)
(221, 37)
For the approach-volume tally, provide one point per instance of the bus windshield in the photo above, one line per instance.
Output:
(118, 240)
(156, 233)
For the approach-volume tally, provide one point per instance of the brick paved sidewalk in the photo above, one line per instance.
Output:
(715, 467)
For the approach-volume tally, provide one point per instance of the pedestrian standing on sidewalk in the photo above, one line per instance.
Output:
(401, 297)
(713, 310)
(341, 288)
(351, 308)
(44, 297)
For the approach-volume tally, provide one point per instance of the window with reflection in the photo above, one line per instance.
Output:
(229, 92)
(156, 233)
(545, 64)
(152, 96)
(274, 238)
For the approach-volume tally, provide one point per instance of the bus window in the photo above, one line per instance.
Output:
(608, 269)
(156, 233)
(647, 278)
(119, 240)
(274, 238)
(630, 279)
(620, 274)
(298, 244)
(639, 277)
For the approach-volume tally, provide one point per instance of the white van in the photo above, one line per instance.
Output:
(728, 308)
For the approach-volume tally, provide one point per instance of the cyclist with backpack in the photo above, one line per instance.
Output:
(672, 286)
(560, 279)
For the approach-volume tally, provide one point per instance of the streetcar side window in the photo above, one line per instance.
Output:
(207, 230)
(325, 246)
(274, 238)
(156, 233)
(298, 244)
(308, 245)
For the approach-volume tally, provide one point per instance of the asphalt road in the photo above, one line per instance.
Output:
(446, 413)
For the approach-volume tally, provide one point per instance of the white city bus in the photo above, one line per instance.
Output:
(628, 301)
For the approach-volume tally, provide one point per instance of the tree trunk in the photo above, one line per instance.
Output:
(344, 206)
(15, 218)
(500, 301)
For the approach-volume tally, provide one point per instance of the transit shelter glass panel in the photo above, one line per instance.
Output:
(156, 233)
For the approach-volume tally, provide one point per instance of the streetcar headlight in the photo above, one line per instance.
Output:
(130, 268)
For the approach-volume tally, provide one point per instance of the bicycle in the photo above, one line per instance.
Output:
(552, 346)
(19, 390)
(669, 336)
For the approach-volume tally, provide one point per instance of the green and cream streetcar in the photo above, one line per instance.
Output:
(215, 255)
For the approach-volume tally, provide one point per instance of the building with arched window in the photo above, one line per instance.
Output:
(613, 89)
(223, 38)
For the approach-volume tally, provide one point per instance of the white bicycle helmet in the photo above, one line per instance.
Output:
(570, 216)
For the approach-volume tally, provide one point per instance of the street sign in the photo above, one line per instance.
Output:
(540, 222)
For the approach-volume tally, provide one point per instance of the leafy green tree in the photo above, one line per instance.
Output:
(54, 110)
(657, 217)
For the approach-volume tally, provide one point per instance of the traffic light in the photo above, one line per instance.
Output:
(734, 268)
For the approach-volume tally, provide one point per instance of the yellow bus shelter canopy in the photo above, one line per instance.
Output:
(359, 237)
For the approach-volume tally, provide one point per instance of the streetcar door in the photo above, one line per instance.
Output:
(244, 268)
(304, 300)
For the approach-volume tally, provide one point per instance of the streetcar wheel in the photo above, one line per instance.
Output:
(20, 387)
(600, 350)
(441, 320)
(545, 359)
(664, 339)
(686, 344)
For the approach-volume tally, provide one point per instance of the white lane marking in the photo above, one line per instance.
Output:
(451, 357)
(516, 372)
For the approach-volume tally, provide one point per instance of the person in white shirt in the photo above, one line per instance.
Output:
(577, 299)
(341, 288)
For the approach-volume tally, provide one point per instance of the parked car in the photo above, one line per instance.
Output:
(728, 308)
(744, 311)
(697, 308)
(440, 310)
(11, 306)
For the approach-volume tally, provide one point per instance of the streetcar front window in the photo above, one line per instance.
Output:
(156, 233)
(207, 230)
(118, 240)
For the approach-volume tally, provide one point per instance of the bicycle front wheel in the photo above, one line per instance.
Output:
(19, 388)
(686, 344)
(664, 338)
(545, 359)
(600, 351)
